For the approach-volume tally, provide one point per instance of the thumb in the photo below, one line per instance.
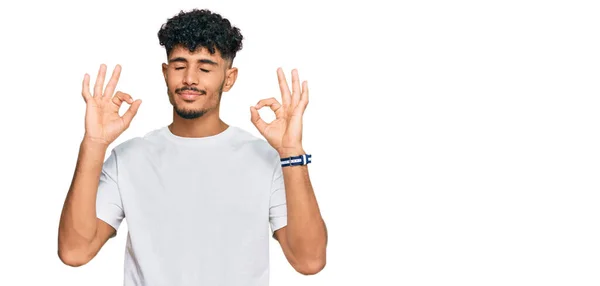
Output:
(256, 120)
(131, 112)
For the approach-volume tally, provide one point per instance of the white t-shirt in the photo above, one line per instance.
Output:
(198, 210)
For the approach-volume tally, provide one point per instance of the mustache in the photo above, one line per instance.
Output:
(191, 88)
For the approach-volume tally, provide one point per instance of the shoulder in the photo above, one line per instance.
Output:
(253, 145)
(140, 144)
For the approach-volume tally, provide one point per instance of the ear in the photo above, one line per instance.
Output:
(164, 70)
(230, 77)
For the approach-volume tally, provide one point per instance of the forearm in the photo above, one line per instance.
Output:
(306, 231)
(78, 223)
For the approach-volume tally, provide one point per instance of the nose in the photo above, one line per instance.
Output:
(191, 77)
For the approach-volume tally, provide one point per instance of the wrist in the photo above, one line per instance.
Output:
(90, 143)
(289, 152)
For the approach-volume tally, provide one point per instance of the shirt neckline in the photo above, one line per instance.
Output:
(223, 135)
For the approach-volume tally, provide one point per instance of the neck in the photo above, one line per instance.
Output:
(208, 124)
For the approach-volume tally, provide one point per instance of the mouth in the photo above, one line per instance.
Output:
(189, 95)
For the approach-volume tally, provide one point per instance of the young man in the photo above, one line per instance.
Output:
(199, 195)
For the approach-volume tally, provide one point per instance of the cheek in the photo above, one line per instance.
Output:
(212, 83)
(172, 82)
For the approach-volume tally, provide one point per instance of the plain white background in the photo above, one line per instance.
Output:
(454, 143)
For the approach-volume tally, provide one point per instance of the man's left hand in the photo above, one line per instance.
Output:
(285, 132)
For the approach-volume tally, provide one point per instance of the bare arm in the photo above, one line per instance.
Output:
(304, 239)
(80, 233)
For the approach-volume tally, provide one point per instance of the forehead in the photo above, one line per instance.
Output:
(193, 56)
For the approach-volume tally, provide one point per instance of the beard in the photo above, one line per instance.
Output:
(190, 114)
(194, 113)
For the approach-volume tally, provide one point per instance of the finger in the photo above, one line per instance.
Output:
(85, 87)
(256, 120)
(131, 112)
(120, 97)
(304, 97)
(295, 87)
(271, 103)
(283, 87)
(112, 83)
(99, 85)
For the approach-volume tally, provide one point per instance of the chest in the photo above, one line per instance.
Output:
(182, 193)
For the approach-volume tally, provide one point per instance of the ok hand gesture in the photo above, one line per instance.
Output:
(103, 124)
(285, 132)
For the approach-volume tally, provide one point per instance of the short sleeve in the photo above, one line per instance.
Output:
(109, 207)
(277, 206)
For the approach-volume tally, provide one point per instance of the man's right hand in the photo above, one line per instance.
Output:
(103, 124)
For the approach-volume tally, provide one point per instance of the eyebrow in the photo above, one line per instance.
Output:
(202, 61)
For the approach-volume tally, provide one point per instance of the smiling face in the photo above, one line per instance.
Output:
(196, 79)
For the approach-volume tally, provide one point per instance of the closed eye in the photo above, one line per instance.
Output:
(204, 70)
(179, 68)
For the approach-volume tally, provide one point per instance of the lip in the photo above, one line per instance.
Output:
(189, 95)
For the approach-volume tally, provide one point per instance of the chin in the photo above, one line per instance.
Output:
(188, 111)
(190, 114)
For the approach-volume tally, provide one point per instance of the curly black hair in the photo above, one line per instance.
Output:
(201, 28)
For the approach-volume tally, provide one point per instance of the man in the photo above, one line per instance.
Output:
(199, 195)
